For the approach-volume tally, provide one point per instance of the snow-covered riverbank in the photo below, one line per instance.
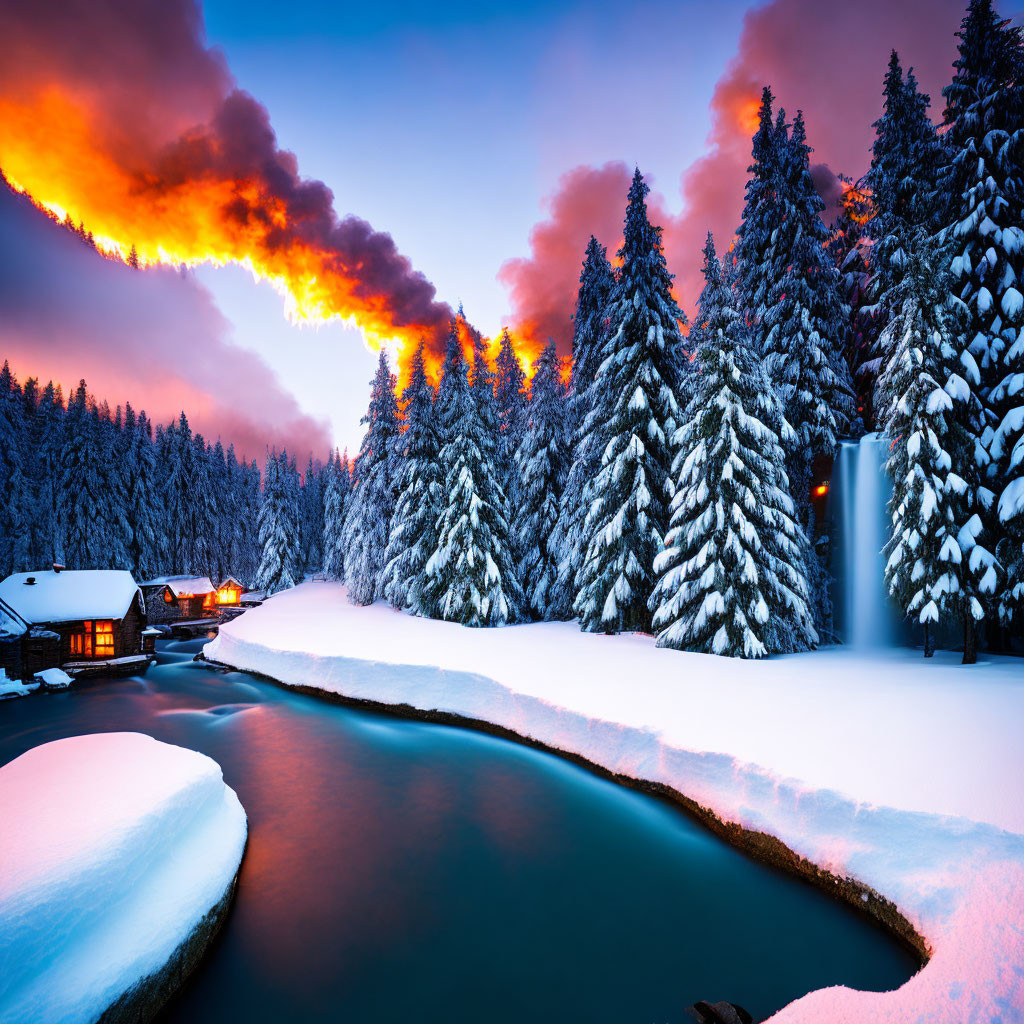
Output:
(898, 773)
(119, 857)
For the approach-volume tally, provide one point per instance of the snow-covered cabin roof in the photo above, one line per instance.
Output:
(230, 579)
(70, 595)
(11, 623)
(178, 585)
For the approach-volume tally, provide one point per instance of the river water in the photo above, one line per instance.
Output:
(408, 872)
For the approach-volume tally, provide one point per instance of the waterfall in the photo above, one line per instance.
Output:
(865, 615)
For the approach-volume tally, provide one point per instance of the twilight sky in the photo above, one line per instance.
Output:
(448, 125)
(487, 139)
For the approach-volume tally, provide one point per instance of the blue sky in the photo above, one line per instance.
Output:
(447, 125)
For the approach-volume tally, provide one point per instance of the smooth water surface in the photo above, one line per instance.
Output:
(408, 872)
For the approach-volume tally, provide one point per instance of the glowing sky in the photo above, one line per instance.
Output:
(448, 126)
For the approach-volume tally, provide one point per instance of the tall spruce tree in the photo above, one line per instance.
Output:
(805, 320)
(541, 464)
(80, 492)
(916, 394)
(732, 578)
(13, 482)
(471, 573)
(635, 414)
(510, 399)
(906, 165)
(372, 503)
(337, 483)
(589, 328)
(413, 536)
(757, 266)
(142, 500)
(985, 115)
(278, 526)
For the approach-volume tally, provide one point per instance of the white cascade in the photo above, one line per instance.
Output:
(865, 615)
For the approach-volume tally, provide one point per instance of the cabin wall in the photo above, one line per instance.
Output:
(157, 609)
(11, 656)
(41, 649)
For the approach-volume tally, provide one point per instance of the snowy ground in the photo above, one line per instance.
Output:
(114, 847)
(900, 773)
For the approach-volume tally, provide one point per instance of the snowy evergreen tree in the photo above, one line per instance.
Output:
(312, 518)
(634, 416)
(278, 526)
(541, 465)
(80, 492)
(337, 485)
(906, 164)
(14, 525)
(471, 572)
(732, 578)
(849, 248)
(142, 500)
(413, 536)
(589, 329)
(757, 265)
(923, 556)
(510, 399)
(985, 114)
(372, 503)
(804, 316)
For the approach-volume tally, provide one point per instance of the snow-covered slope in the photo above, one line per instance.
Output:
(899, 773)
(114, 847)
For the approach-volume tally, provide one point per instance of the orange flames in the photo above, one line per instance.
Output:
(195, 214)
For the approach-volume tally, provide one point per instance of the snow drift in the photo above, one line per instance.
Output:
(898, 775)
(114, 849)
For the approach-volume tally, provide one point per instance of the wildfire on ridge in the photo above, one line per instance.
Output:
(179, 206)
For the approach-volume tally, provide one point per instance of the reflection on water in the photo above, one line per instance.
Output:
(407, 872)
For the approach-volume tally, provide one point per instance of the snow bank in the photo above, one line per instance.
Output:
(15, 687)
(114, 848)
(899, 773)
(54, 678)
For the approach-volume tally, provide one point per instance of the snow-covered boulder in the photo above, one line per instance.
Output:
(119, 855)
(54, 678)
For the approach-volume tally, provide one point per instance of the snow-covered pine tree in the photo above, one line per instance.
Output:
(141, 500)
(756, 264)
(906, 164)
(413, 536)
(278, 526)
(372, 503)
(849, 247)
(471, 573)
(80, 494)
(917, 391)
(203, 513)
(510, 399)
(541, 464)
(14, 536)
(732, 578)
(805, 320)
(635, 414)
(589, 325)
(985, 115)
(312, 519)
(337, 484)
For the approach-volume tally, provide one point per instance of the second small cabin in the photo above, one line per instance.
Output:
(177, 598)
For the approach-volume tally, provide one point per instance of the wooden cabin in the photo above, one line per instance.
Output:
(80, 620)
(180, 598)
(229, 593)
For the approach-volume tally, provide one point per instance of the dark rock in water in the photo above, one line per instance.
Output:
(719, 1013)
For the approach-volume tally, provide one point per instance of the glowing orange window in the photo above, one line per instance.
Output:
(103, 646)
(81, 643)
